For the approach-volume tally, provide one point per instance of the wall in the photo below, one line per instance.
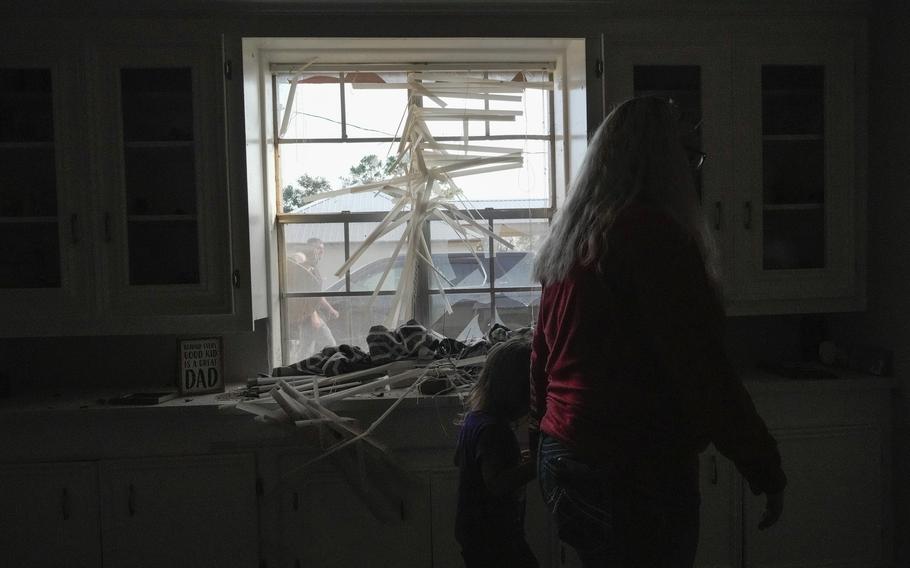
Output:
(887, 320)
(118, 361)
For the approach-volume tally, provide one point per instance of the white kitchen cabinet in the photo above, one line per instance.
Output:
(796, 185)
(51, 515)
(444, 499)
(325, 522)
(833, 506)
(719, 516)
(834, 438)
(781, 122)
(163, 236)
(115, 211)
(45, 257)
(191, 511)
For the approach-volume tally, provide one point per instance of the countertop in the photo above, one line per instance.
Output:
(70, 424)
(67, 399)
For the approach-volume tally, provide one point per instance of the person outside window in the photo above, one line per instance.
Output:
(307, 324)
(630, 381)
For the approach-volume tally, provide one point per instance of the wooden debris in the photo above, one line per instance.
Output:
(426, 191)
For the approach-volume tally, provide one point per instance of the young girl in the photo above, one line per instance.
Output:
(489, 523)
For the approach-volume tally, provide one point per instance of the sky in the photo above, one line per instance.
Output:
(316, 113)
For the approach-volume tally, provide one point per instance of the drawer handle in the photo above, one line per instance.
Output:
(74, 228)
(747, 219)
(65, 504)
(131, 501)
(717, 215)
(107, 227)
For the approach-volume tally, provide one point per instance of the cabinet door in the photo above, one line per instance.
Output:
(444, 497)
(718, 535)
(50, 515)
(190, 511)
(833, 510)
(44, 256)
(795, 157)
(326, 520)
(696, 79)
(164, 222)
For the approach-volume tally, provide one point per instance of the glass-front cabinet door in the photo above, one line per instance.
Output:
(795, 171)
(696, 80)
(43, 245)
(164, 223)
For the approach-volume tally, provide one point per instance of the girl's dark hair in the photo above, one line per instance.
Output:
(504, 385)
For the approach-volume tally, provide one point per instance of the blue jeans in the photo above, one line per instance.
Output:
(621, 516)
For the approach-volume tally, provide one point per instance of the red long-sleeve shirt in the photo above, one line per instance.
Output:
(628, 362)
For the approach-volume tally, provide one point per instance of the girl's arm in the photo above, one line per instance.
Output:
(500, 476)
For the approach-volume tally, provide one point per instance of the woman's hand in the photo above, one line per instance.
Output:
(774, 506)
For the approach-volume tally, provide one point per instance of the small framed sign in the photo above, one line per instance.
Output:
(200, 364)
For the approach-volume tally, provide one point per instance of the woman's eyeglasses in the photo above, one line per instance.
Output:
(689, 136)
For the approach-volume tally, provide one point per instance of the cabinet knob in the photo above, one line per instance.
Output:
(74, 228)
(65, 504)
(131, 501)
(107, 227)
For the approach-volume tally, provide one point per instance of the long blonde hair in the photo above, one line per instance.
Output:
(635, 154)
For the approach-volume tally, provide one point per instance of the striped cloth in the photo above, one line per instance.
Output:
(331, 361)
(410, 340)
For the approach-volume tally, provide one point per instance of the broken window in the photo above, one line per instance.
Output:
(341, 126)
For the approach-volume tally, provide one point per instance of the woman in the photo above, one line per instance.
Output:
(629, 377)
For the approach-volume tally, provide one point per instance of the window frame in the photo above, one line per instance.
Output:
(568, 112)
(423, 299)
